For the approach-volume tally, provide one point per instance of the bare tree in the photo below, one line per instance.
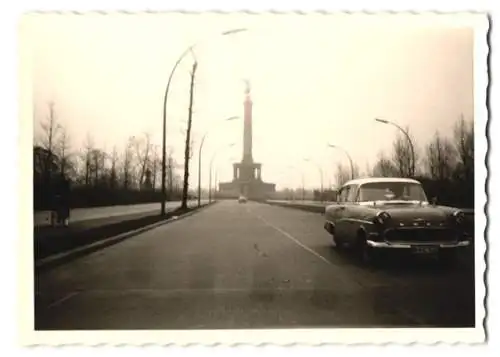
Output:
(113, 176)
(384, 167)
(154, 164)
(342, 174)
(63, 149)
(464, 145)
(127, 163)
(98, 160)
(441, 158)
(143, 152)
(192, 143)
(50, 129)
(87, 158)
(187, 151)
(368, 170)
(402, 155)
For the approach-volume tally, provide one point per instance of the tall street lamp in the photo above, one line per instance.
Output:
(164, 130)
(210, 174)
(320, 174)
(285, 190)
(383, 121)
(199, 158)
(348, 156)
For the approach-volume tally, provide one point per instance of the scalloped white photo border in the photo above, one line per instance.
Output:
(29, 336)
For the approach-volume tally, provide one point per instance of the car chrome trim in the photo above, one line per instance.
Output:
(408, 245)
(357, 220)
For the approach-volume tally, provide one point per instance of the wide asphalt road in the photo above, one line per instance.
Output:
(42, 218)
(246, 266)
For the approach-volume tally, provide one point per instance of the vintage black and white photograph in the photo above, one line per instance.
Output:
(255, 172)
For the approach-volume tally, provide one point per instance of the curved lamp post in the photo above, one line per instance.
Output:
(383, 121)
(348, 156)
(320, 173)
(211, 170)
(199, 159)
(164, 130)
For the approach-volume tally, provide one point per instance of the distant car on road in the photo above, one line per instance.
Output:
(375, 215)
(242, 199)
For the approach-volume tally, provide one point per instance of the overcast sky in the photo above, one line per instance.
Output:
(315, 79)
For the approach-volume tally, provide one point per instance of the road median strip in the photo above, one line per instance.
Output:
(316, 208)
(66, 247)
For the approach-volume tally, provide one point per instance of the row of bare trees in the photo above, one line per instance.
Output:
(445, 164)
(132, 174)
(109, 178)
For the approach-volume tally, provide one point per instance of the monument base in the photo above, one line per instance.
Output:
(253, 190)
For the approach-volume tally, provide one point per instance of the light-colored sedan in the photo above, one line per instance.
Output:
(372, 215)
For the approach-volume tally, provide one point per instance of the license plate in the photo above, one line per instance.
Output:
(425, 249)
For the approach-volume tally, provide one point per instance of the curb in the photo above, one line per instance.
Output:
(312, 209)
(60, 258)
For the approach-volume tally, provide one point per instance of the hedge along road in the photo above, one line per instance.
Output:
(42, 218)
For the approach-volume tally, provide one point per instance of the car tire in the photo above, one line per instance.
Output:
(337, 243)
(366, 255)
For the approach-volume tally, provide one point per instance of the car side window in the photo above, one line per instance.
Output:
(340, 192)
(351, 197)
(343, 194)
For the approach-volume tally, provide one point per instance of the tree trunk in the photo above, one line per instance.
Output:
(188, 141)
(145, 161)
(48, 164)
(170, 178)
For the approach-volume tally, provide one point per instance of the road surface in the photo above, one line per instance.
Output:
(42, 218)
(246, 266)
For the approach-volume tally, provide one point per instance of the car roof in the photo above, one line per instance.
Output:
(362, 181)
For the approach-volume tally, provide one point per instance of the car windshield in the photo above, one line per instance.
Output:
(392, 191)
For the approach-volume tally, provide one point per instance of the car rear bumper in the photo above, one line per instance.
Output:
(409, 245)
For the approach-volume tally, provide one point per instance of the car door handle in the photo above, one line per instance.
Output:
(342, 208)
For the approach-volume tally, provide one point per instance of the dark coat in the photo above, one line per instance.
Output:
(61, 190)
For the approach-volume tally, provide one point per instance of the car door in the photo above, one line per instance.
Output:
(340, 223)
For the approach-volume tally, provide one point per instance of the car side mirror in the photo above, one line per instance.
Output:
(434, 200)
